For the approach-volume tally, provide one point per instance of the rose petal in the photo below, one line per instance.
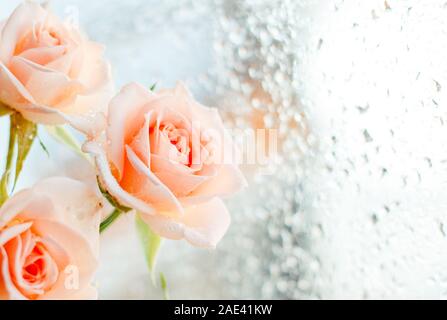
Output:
(94, 71)
(165, 149)
(202, 225)
(71, 222)
(141, 142)
(37, 79)
(67, 63)
(125, 118)
(64, 217)
(140, 181)
(44, 55)
(228, 180)
(21, 21)
(71, 65)
(10, 209)
(176, 176)
(9, 233)
(12, 91)
(202, 116)
(18, 97)
(80, 251)
(75, 205)
(110, 183)
(18, 249)
(8, 289)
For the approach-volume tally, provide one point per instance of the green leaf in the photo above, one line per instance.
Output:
(4, 110)
(61, 134)
(164, 286)
(43, 146)
(151, 244)
(21, 134)
(26, 132)
(4, 182)
(4, 187)
(152, 88)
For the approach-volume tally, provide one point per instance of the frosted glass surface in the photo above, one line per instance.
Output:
(355, 205)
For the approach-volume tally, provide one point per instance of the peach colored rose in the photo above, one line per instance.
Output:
(169, 158)
(49, 241)
(49, 71)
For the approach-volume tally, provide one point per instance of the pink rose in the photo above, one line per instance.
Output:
(49, 241)
(49, 71)
(169, 158)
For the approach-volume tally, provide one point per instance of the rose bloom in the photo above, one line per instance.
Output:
(169, 158)
(49, 241)
(49, 71)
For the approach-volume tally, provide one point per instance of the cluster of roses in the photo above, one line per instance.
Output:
(160, 154)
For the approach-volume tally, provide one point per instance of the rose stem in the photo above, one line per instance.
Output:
(109, 220)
